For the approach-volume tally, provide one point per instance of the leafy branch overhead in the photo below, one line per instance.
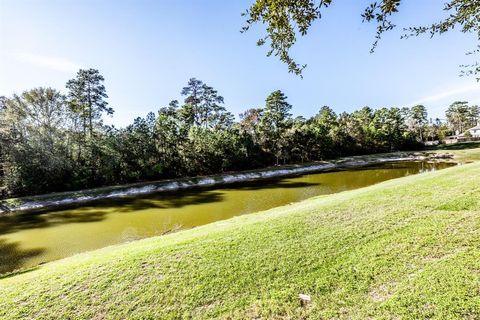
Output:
(285, 20)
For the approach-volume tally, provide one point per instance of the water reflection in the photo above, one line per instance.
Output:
(13, 257)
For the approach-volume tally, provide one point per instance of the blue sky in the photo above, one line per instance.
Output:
(147, 51)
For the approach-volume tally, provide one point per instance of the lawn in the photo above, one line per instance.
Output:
(406, 248)
(466, 150)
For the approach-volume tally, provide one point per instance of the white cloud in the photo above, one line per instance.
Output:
(442, 95)
(438, 101)
(55, 63)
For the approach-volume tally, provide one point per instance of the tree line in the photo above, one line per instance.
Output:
(52, 141)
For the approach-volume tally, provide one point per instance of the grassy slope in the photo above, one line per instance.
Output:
(407, 248)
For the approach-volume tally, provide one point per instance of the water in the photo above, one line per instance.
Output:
(32, 238)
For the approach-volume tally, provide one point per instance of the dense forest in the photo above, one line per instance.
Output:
(53, 141)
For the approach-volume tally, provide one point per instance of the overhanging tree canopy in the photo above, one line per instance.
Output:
(285, 20)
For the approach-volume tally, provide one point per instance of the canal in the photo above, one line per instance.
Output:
(32, 238)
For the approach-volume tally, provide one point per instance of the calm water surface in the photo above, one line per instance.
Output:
(33, 238)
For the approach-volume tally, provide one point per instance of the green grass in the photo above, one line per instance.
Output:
(404, 249)
(462, 151)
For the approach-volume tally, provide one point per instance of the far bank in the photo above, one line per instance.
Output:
(83, 196)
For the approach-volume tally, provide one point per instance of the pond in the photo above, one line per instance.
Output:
(32, 238)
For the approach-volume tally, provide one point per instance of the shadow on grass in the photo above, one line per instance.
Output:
(16, 272)
(459, 146)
